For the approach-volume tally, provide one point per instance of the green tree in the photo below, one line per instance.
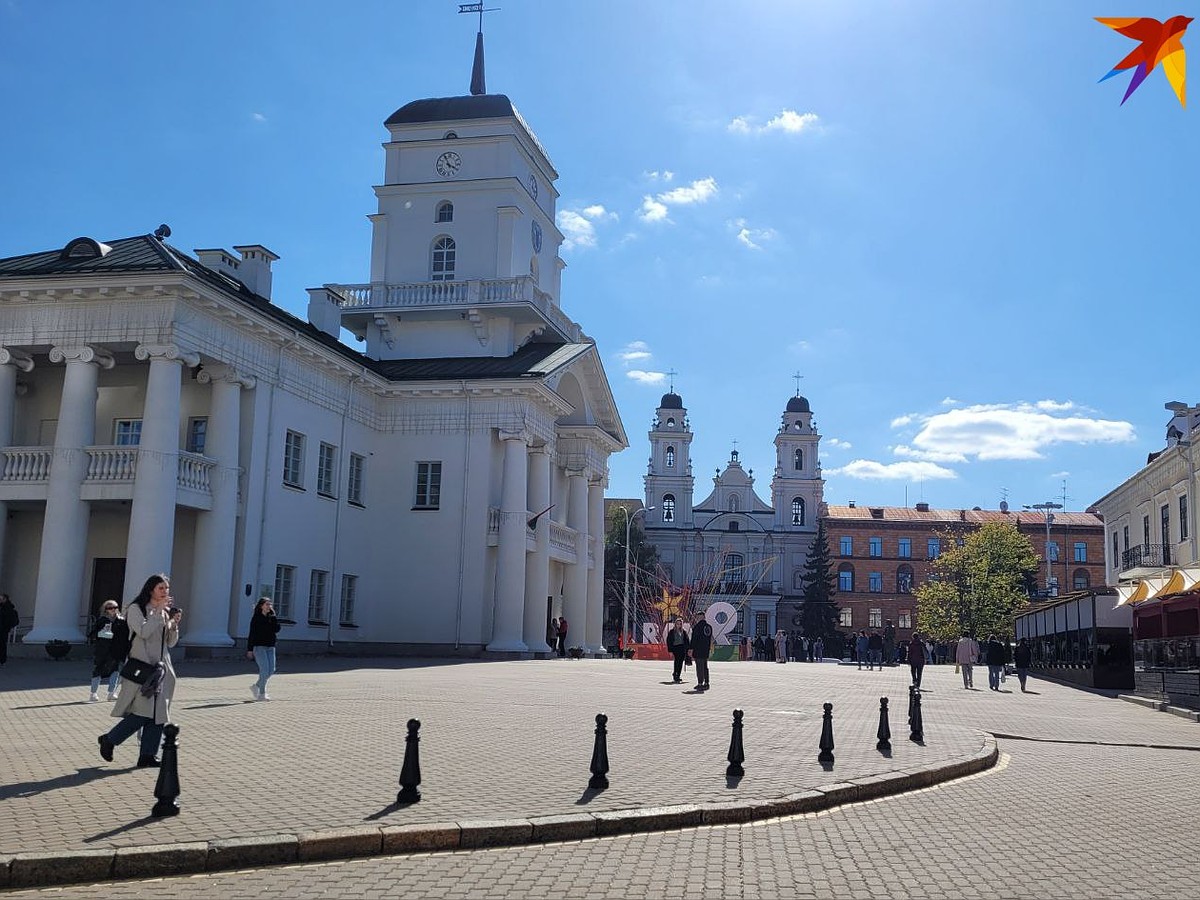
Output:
(979, 586)
(643, 569)
(819, 614)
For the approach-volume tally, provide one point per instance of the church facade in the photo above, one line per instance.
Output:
(732, 545)
(439, 490)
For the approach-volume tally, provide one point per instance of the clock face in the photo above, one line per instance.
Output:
(536, 230)
(448, 164)
(533, 186)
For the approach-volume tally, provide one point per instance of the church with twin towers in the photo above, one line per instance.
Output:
(732, 545)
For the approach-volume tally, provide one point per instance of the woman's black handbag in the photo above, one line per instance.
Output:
(137, 671)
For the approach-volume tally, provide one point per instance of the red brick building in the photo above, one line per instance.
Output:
(881, 554)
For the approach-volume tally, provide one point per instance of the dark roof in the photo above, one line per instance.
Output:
(147, 253)
(798, 404)
(671, 401)
(453, 109)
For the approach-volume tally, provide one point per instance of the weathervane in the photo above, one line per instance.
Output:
(476, 8)
(477, 80)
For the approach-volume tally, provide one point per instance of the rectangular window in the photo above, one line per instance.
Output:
(875, 618)
(354, 483)
(349, 589)
(1125, 530)
(1116, 557)
(326, 476)
(318, 583)
(875, 582)
(1146, 530)
(846, 581)
(1080, 551)
(1183, 518)
(285, 582)
(1081, 581)
(1164, 516)
(293, 459)
(905, 619)
(429, 485)
(876, 545)
(904, 550)
(197, 434)
(935, 548)
(127, 432)
(845, 617)
(846, 546)
(1052, 550)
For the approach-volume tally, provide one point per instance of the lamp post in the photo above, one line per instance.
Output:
(625, 603)
(1183, 441)
(1047, 508)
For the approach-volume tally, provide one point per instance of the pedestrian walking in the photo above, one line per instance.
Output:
(889, 642)
(1022, 659)
(552, 635)
(965, 654)
(819, 649)
(677, 646)
(916, 658)
(260, 645)
(995, 662)
(701, 644)
(9, 619)
(562, 636)
(108, 650)
(861, 649)
(153, 621)
(874, 651)
(780, 646)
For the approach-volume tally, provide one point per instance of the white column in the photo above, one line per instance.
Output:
(152, 518)
(10, 361)
(207, 622)
(509, 618)
(595, 588)
(64, 532)
(537, 564)
(575, 589)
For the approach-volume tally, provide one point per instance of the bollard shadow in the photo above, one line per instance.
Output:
(32, 788)
(385, 812)
(827, 766)
(218, 705)
(54, 705)
(1035, 693)
(671, 682)
(694, 691)
(121, 829)
(732, 781)
(885, 752)
(920, 743)
(588, 795)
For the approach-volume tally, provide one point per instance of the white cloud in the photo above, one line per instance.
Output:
(800, 347)
(936, 456)
(646, 377)
(698, 191)
(664, 175)
(869, 469)
(836, 442)
(788, 121)
(1061, 475)
(751, 238)
(901, 421)
(1019, 430)
(652, 210)
(634, 351)
(258, 117)
(579, 225)
(950, 401)
(1054, 405)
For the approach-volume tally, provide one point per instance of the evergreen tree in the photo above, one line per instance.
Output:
(819, 614)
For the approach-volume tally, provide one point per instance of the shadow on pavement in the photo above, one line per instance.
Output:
(121, 829)
(732, 781)
(588, 795)
(31, 788)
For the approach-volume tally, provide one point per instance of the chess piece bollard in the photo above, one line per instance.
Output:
(599, 780)
(885, 730)
(410, 772)
(166, 789)
(826, 754)
(737, 755)
(916, 725)
(912, 690)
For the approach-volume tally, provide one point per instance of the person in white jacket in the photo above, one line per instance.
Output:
(965, 655)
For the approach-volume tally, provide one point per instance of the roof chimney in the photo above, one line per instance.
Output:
(255, 268)
(852, 504)
(922, 507)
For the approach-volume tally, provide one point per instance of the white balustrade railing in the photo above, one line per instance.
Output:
(562, 537)
(195, 472)
(493, 520)
(112, 464)
(25, 465)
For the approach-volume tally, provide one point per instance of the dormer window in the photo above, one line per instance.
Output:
(670, 457)
(449, 136)
(442, 263)
(799, 460)
(84, 248)
(445, 211)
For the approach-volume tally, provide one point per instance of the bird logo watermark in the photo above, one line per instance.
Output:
(1158, 42)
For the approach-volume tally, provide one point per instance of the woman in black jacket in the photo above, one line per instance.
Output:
(1022, 659)
(260, 645)
(108, 656)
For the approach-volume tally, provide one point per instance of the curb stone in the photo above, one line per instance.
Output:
(91, 866)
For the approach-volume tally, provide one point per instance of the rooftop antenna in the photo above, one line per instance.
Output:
(1065, 498)
(477, 80)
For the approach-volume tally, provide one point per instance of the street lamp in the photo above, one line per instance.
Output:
(1182, 441)
(628, 522)
(1046, 508)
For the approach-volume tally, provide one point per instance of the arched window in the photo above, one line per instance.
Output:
(445, 211)
(1080, 580)
(797, 510)
(670, 457)
(668, 507)
(799, 459)
(904, 579)
(733, 502)
(449, 135)
(442, 264)
(671, 422)
(846, 577)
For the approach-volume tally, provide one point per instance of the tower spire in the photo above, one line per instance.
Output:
(478, 85)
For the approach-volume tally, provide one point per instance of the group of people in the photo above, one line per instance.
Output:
(691, 648)
(782, 647)
(995, 655)
(556, 635)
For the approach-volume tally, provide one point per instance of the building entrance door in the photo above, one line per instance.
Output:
(108, 579)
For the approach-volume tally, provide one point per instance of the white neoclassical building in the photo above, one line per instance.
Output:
(440, 490)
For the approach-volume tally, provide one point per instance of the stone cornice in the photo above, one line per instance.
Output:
(1162, 474)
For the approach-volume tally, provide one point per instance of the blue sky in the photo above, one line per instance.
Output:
(982, 264)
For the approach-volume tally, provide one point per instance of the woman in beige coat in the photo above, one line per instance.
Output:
(154, 626)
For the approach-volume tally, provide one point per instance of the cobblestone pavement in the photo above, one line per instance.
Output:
(1055, 819)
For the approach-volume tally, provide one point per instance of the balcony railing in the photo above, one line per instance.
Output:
(562, 538)
(106, 465)
(109, 464)
(1146, 556)
(25, 465)
(195, 471)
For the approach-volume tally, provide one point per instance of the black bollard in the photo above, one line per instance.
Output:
(885, 730)
(737, 755)
(826, 754)
(599, 781)
(916, 725)
(166, 789)
(410, 772)
(912, 690)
